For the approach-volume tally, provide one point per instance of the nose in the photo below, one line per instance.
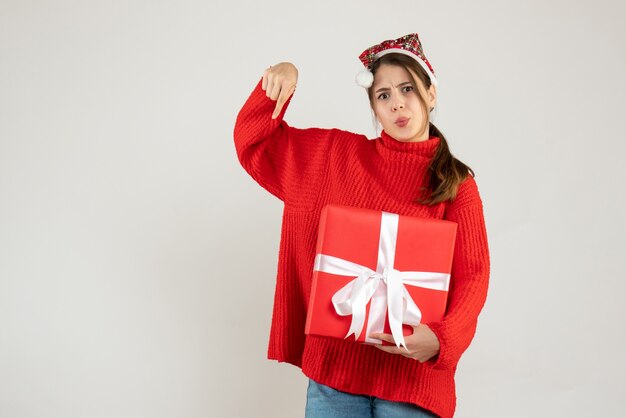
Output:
(397, 106)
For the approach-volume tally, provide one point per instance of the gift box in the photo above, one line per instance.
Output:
(378, 271)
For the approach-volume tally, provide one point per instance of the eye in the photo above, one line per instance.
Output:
(380, 96)
(408, 88)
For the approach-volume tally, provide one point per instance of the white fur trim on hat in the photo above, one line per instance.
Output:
(365, 78)
(433, 80)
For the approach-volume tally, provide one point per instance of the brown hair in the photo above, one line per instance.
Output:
(446, 172)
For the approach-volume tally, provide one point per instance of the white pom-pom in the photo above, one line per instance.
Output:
(365, 78)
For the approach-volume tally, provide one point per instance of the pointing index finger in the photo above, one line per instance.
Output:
(282, 99)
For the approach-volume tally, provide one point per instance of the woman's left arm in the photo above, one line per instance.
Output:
(442, 343)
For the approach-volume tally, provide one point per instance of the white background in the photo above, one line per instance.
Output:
(138, 259)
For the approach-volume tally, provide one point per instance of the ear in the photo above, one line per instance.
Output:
(432, 96)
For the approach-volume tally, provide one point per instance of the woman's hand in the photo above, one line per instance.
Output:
(279, 82)
(422, 344)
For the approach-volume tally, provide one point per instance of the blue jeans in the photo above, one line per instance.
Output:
(325, 402)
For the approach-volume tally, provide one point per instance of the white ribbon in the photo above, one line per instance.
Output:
(384, 287)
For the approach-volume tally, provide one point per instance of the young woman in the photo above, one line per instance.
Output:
(408, 170)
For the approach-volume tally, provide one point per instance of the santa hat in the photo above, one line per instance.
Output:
(408, 45)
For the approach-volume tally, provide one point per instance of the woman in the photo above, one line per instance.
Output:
(407, 170)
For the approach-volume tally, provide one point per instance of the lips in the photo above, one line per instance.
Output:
(402, 122)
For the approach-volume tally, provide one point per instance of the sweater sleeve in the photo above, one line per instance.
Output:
(468, 280)
(288, 162)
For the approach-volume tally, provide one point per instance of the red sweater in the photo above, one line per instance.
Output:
(308, 168)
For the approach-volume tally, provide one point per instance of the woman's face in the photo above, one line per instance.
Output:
(397, 106)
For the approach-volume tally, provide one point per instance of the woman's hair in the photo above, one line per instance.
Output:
(446, 172)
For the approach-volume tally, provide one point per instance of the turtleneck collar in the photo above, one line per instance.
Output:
(426, 149)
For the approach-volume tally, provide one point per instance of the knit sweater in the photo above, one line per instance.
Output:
(309, 168)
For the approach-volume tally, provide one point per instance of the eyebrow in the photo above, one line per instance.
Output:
(387, 88)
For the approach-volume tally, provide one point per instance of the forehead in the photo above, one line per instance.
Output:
(388, 74)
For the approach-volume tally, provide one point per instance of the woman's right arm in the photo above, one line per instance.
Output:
(286, 161)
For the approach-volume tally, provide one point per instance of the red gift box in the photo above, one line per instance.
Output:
(377, 271)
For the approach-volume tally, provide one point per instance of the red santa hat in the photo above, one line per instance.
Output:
(408, 45)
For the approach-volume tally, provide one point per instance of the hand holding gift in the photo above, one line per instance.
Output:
(422, 345)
